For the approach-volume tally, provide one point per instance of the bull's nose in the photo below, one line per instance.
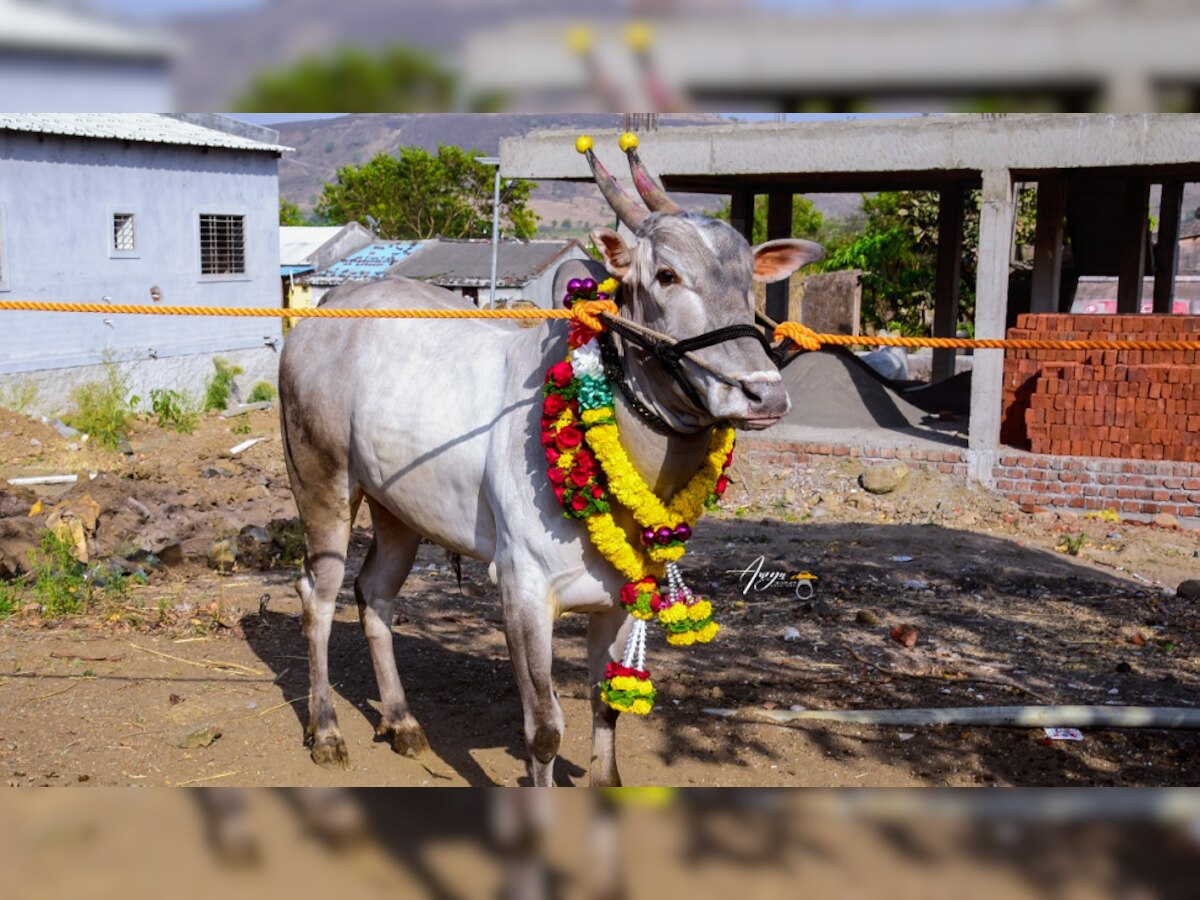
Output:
(758, 385)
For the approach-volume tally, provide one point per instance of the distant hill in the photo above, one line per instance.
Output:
(324, 145)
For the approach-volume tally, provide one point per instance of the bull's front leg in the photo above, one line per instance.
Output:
(528, 629)
(606, 636)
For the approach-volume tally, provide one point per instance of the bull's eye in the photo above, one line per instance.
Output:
(665, 277)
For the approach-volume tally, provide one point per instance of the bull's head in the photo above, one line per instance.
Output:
(688, 275)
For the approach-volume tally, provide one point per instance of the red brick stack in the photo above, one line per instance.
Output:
(1128, 404)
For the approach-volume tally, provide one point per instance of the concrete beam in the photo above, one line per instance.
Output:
(991, 311)
(949, 146)
(949, 272)
(1166, 248)
(779, 225)
(1048, 243)
(1133, 229)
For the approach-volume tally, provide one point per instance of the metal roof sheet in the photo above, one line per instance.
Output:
(297, 243)
(143, 127)
(469, 262)
(38, 26)
(368, 264)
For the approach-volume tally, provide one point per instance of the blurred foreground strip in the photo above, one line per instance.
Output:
(697, 843)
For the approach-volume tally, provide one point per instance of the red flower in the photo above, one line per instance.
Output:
(720, 486)
(560, 374)
(553, 406)
(548, 436)
(569, 438)
(616, 670)
(597, 491)
(552, 455)
(579, 503)
(585, 461)
(579, 334)
(558, 493)
(728, 460)
(579, 478)
(629, 593)
(557, 476)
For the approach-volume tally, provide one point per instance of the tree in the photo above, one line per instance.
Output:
(896, 249)
(399, 79)
(289, 213)
(419, 195)
(807, 220)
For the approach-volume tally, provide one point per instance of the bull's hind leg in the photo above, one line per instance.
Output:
(326, 538)
(388, 562)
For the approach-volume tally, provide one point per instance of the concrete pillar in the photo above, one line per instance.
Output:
(1132, 231)
(991, 310)
(779, 225)
(1166, 249)
(949, 271)
(741, 213)
(1048, 243)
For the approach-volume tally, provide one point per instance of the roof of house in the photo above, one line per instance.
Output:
(1189, 228)
(468, 263)
(297, 243)
(143, 127)
(40, 26)
(368, 264)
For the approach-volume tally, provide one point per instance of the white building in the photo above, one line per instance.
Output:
(136, 208)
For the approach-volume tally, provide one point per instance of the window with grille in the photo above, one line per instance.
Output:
(222, 245)
(124, 237)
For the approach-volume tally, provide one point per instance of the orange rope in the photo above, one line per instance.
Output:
(588, 314)
(808, 339)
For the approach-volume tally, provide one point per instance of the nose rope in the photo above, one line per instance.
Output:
(666, 348)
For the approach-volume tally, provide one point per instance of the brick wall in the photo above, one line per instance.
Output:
(1134, 488)
(787, 453)
(1127, 404)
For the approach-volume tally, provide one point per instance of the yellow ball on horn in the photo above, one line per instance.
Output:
(628, 140)
(584, 143)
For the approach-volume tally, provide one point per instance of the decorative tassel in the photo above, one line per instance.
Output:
(627, 686)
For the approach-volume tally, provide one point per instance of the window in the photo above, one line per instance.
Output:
(124, 235)
(222, 244)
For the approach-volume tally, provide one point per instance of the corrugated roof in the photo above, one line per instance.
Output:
(35, 26)
(469, 263)
(368, 264)
(143, 127)
(297, 243)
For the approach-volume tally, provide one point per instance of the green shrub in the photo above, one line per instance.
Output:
(174, 410)
(64, 586)
(103, 409)
(261, 393)
(10, 600)
(18, 395)
(216, 395)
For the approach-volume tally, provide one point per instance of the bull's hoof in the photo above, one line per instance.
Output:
(330, 753)
(407, 739)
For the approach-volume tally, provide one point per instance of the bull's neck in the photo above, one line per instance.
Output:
(665, 461)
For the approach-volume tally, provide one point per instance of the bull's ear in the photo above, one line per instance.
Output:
(779, 259)
(613, 249)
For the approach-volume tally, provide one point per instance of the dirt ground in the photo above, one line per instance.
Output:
(1002, 611)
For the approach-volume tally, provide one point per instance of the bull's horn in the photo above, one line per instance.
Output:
(630, 214)
(656, 198)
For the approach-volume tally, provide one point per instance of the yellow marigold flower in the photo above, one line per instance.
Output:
(644, 616)
(634, 685)
(566, 460)
(565, 418)
(641, 707)
(608, 286)
(700, 610)
(681, 639)
(598, 414)
(707, 633)
(676, 612)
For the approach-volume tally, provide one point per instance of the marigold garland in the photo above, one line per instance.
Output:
(588, 469)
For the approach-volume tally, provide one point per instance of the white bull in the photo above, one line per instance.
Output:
(436, 424)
